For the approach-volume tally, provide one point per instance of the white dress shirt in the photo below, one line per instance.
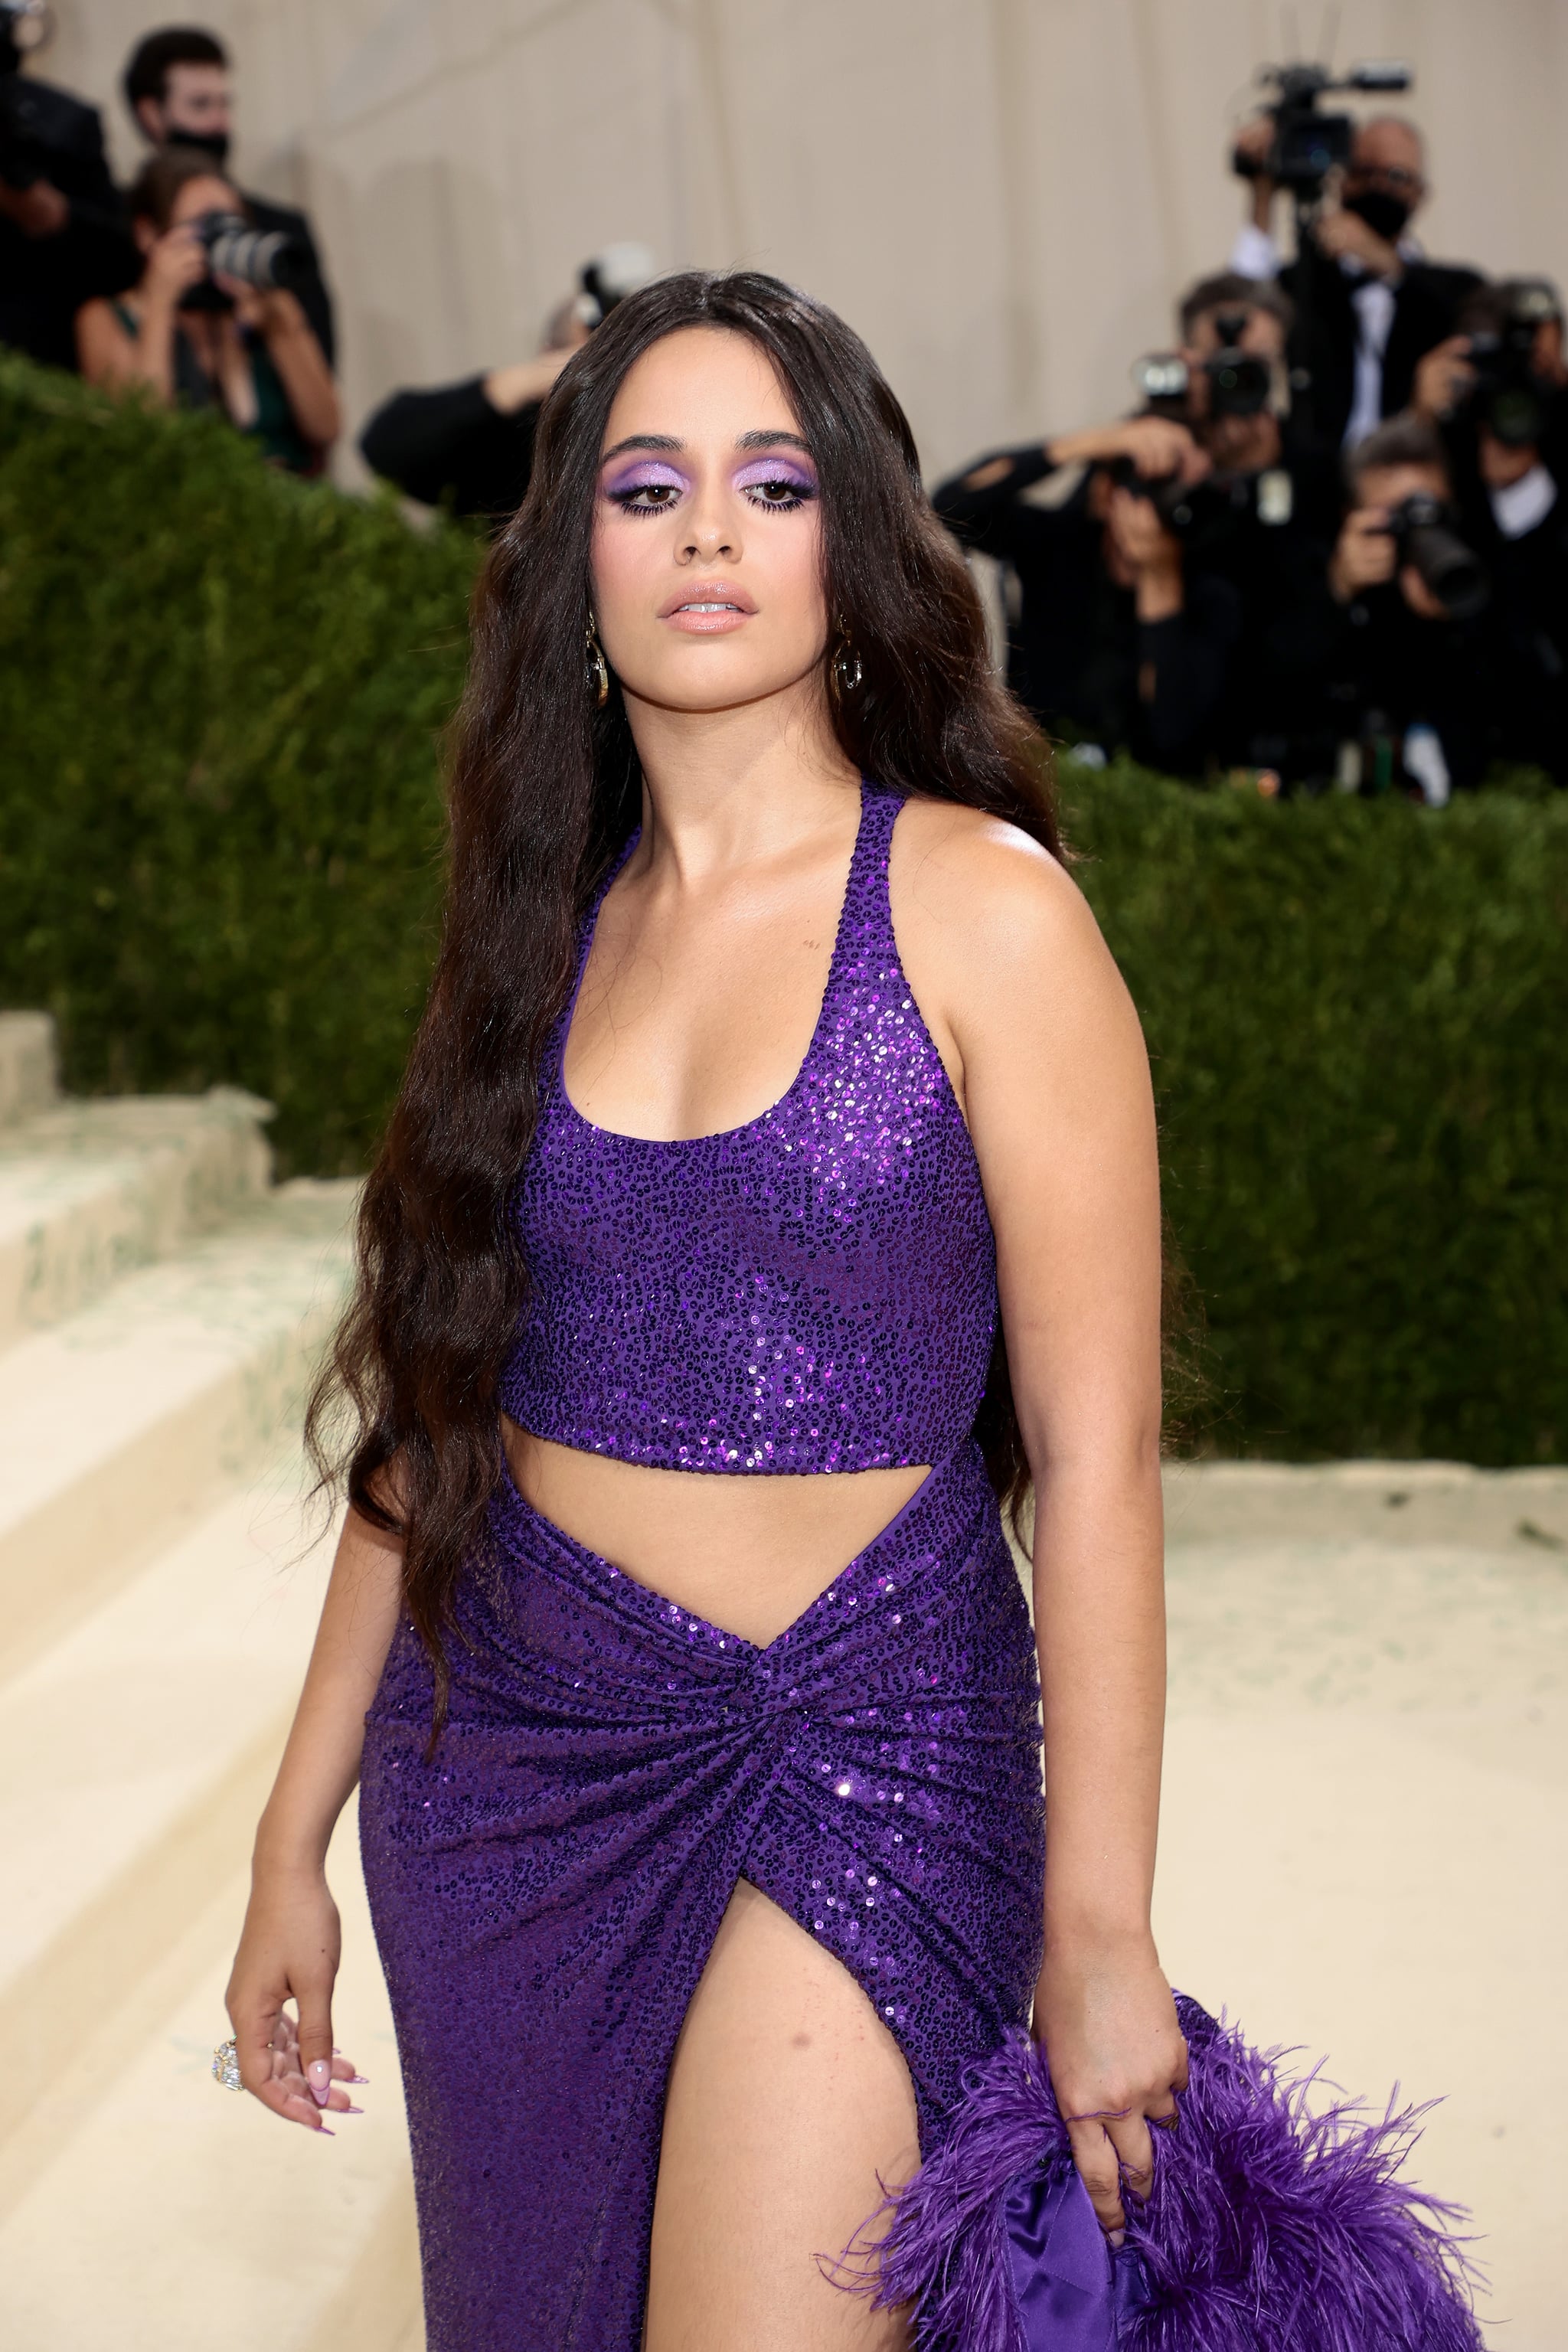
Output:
(1256, 255)
(1525, 503)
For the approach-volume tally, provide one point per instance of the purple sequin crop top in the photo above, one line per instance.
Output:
(814, 1291)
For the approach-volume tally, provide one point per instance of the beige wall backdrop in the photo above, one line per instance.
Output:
(1003, 195)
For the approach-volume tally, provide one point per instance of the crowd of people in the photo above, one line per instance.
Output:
(1330, 548)
(200, 293)
(1327, 547)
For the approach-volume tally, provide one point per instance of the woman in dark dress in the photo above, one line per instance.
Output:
(774, 1070)
(189, 338)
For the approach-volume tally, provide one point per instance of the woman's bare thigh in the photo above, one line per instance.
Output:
(787, 2099)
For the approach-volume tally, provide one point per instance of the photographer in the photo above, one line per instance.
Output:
(63, 233)
(1499, 391)
(1369, 303)
(469, 446)
(1405, 621)
(1263, 522)
(1156, 601)
(1108, 638)
(200, 337)
(177, 87)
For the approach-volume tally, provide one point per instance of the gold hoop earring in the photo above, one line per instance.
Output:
(595, 668)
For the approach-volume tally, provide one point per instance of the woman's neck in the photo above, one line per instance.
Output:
(722, 787)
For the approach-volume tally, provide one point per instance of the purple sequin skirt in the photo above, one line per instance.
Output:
(546, 1889)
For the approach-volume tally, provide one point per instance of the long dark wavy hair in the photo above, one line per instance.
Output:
(544, 788)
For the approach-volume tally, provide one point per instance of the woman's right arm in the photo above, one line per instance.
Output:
(289, 1945)
(118, 360)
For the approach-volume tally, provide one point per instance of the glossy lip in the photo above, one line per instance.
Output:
(737, 607)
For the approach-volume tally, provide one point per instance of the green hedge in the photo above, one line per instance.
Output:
(1356, 1011)
(220, 699)
(221, 692)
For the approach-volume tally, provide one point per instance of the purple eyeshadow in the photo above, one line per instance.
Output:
(796, 471)
(648, 473)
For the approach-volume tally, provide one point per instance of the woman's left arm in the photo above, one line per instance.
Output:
(1053, 1078)
(302, 365)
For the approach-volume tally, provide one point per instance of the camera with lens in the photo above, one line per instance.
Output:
(1507, 394)
(1239, 383)
(1422, 530)
(1170, 498)
(1309, 144)
(265, 258)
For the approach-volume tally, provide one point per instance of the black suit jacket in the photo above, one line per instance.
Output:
(46, 134)
(315, 299)
(1323, 342)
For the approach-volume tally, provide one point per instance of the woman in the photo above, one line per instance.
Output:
(200, 339)
(769, 1044)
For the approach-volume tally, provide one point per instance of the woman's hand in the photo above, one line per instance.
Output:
(175, 264)
(290, 1951)
(270, 309)
(1117, 2059)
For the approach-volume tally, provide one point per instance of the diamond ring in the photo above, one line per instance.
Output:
(226, 2067)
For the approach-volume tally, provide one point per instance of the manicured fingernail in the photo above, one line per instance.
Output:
(325, 2133)
(1117, 2239)
(359, 2078)
(351, 2111)
(319, 2074)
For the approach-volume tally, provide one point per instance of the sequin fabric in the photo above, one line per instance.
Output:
(545, 1889)
(814, 1291)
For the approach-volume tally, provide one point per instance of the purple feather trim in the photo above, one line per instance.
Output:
(1269, 2227)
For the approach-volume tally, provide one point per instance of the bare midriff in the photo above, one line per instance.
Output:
(748, 1554)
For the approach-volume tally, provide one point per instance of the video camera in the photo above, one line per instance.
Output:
(1507, 394)
(1307, 145)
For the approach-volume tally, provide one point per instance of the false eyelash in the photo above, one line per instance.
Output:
(625, 498)
(804, 493)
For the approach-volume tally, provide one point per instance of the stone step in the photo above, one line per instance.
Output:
(124, 1423)
(27, 1081)
(174, 2217)
(135, 1754)
(141, 2208)
(88, 1191)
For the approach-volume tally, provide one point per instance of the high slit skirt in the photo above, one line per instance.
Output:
(547, 1885)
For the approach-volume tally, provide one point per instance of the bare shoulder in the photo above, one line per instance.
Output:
(971, 892)
(1017, 987)
(99, 334)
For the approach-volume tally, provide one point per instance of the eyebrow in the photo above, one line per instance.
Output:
(765, 439)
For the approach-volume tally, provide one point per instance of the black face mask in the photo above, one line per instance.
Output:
(211, 142)
(1385, 215)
